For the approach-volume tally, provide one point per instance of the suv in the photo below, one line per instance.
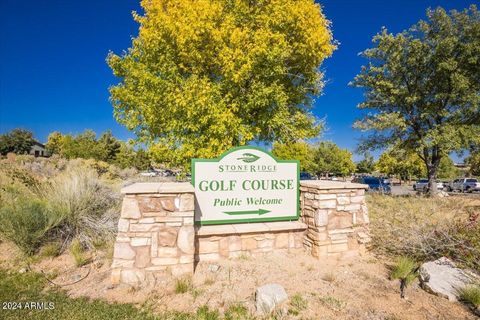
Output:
(464, 185)
(375, 184)
(422, 185)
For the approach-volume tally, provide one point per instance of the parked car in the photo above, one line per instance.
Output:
(464, 185)
(375, 184)
(422, 185)
(306, 176)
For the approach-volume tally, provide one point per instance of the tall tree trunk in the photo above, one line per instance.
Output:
(432, 172)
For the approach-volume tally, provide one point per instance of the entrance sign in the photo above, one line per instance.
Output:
(245, 184)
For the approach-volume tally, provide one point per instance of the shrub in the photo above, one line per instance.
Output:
(297, 304)
(237, 311)
(25, 222)
(426, 228)
(183, 285)
(333, 303)
(52, 249)
(471, 294)
(86, 206)
(78, 253)
(405, 270)
(204, 313)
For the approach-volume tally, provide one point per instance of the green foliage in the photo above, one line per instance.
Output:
(423, 85)
(333, 302)
(84, 205)
(297, 304)
(473, 161)
(18, 141)
(330, 159)
(366, 165)
(50, 250)
(447, 169)
(426, 228)
(397, 162)
(301, 151)
(29, 286)
(237, 311)
(78, 253)
(471, 294)
(202, 77)
(36, 209)
(204, 313)
(183, 285)
(107, 149)
(405, 270)
(25, 222)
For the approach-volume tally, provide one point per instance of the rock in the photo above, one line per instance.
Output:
(213, 268)
(442, 278)
(442, 194)
(186, 239)
(268, 297)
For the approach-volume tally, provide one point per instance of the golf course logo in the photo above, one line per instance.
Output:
(245, 184)
(248, 157)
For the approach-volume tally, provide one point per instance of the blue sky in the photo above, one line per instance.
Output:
(53, 75)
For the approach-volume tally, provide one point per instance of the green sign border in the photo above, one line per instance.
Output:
(289, 218)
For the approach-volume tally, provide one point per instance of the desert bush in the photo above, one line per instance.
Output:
(405, 270)
(87, 207)
(25, 222)
(237, 311)
(51, 250)
(297, 304)
(183, 285)
(471, 294)
(426, 228)
(78, 253)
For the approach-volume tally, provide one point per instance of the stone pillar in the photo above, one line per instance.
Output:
(155, 233)
(336, 215)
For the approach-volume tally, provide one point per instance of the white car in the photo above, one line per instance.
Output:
(422, 185)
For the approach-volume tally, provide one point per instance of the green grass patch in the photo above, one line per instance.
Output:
(78, 253)
(237, 311)
(32, 287)
(183, 285)
(471, 294)
(297, 304)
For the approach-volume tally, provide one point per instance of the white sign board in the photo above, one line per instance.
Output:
(246, 184)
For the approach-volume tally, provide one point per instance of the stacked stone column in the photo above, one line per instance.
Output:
(155, 233)
(337, 218)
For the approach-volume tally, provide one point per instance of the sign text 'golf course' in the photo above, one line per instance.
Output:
(245, 184)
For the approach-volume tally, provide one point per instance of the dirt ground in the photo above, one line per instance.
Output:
(357, 288)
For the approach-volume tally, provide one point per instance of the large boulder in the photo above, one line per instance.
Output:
(441, 277)
(268, 297)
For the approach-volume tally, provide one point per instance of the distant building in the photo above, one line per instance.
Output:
(38, 150)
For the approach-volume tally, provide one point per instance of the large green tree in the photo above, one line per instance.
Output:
(367, 164)
(299, 150)
(18, 141)
(422, 87)
(203, 76)
(331, 159)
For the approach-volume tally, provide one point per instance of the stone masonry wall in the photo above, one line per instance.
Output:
(157, 237)
(337, 217)
(254, 239)
(155, 233)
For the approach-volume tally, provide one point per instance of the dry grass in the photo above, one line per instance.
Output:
(426, 228)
